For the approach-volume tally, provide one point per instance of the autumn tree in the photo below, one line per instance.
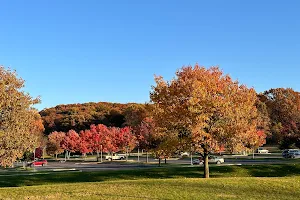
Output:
(86, 142)
(134, 115)
(17, 118)
(71, 142)
(37, 139)
(283, 105)
(54, 145)
(126, 139)
(215, 110)
(112, 140)
(100, 135)
(166, 145)
(145, 135)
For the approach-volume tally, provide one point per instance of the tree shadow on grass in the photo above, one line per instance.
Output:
(76, 177)
(274, 170)
(150, 173)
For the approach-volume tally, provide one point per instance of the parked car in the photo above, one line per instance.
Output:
(115, 156)
(38, 163)
(262, 150)
(184, 154)
(211, 160)
(291, 153)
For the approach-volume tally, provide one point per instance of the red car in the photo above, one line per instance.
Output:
(38, 163)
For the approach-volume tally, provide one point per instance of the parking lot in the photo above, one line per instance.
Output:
(135, 163)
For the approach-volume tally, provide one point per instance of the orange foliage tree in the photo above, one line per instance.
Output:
(209, 106)
(54, 143)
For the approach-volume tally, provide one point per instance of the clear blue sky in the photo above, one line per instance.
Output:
(88, 51)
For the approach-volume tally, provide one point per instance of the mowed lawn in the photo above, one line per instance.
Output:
(228, 182)
(215, 188)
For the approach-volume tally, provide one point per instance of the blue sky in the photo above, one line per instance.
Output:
(76, 51)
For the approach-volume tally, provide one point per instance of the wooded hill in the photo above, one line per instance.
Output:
(81, 116)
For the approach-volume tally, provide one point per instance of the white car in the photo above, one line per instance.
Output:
(185, 154)
(262, 150)
(115, 156)
(211, 159)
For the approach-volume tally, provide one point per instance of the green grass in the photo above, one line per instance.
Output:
(224, 188)
(13, 179)
(170, 182)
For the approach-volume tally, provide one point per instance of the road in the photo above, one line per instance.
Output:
(133, 164)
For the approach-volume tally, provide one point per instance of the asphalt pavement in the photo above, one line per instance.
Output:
(86, 165)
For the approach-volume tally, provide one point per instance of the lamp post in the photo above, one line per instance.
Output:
(101, 154)
(191, 155)
(138, 154)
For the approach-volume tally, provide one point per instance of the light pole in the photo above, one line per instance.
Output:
(138, 154)
(191, 155)
(101, 154)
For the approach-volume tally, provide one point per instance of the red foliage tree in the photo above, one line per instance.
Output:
(71, 142)
(99, 137)
(125, 139)
(144, 133)
(86, 142)
(112, 140)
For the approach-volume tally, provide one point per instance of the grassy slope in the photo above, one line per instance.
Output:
(229, 182)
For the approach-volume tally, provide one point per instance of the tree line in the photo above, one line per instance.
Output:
(81, 116)
(200, 109)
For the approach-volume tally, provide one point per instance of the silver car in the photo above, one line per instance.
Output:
(291, 153)
(211, 160)
(294, 154)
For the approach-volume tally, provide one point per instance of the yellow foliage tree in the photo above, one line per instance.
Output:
(18, 119)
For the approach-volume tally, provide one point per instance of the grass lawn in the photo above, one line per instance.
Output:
(170, 182)
(192, 188)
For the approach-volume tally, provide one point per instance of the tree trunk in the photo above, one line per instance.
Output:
(165, 161)
(66, 155)
(206, 167)
(98, 156)
(158, 161)
(56, 156)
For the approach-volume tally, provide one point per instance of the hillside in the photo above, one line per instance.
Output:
(81, 116)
